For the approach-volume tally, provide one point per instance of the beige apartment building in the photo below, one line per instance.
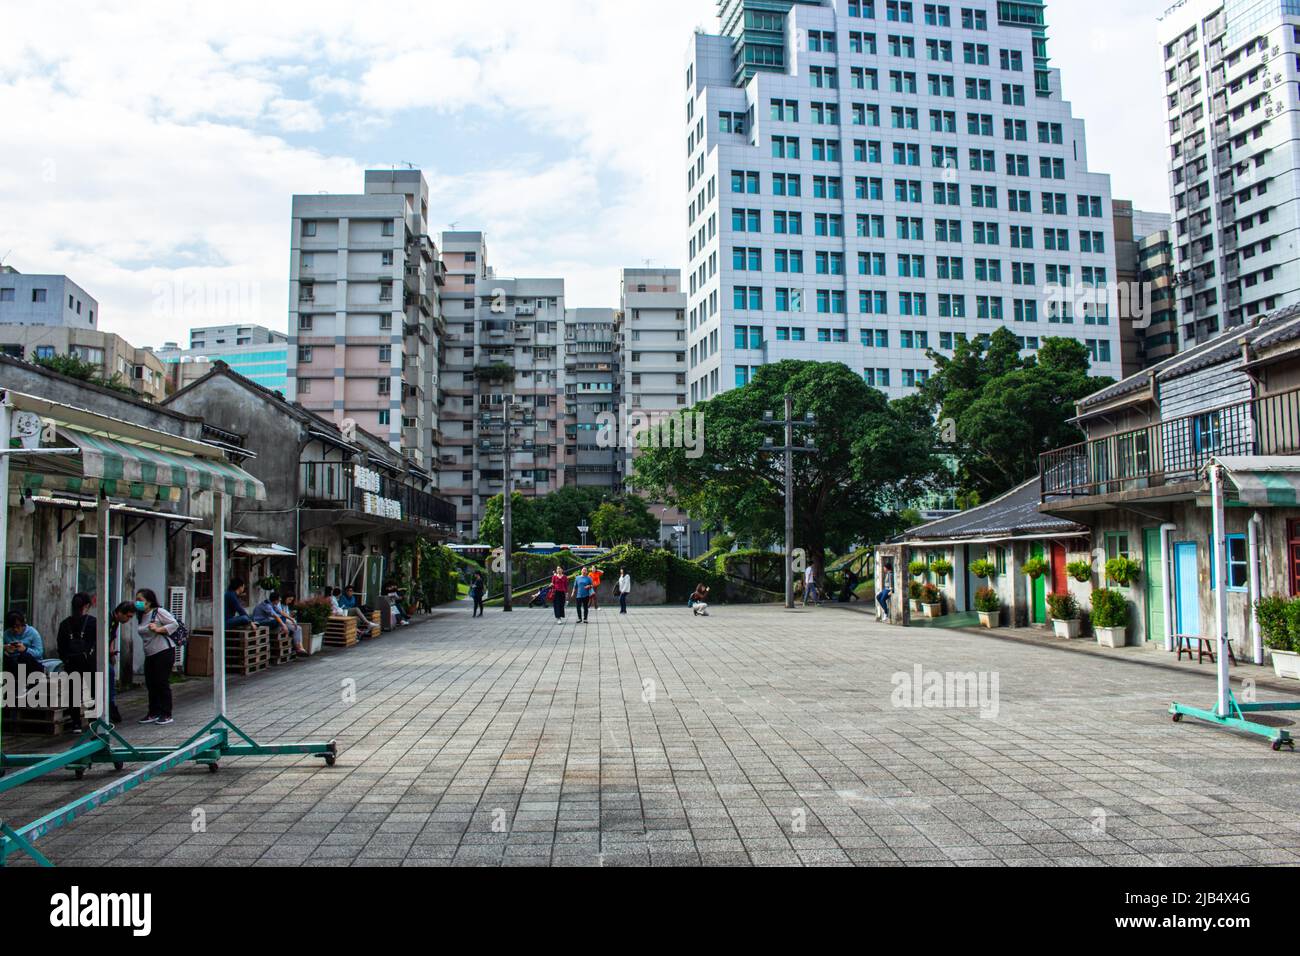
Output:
(113, 355)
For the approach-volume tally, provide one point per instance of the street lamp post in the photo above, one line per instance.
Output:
(582, 530)
(681, 532)
(789, 450)
(506, 514)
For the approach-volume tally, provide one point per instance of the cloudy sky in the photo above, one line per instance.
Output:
(150, 149)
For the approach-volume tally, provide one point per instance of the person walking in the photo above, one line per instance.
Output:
(76, 644)
(596, 576)
(582, 589)
(559, 591)
(886, 592)
(810, 585)
(123, 613)
(478, 591)
(624, 588)
(155, 627)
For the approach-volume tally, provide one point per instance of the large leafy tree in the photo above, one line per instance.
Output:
(872, 456)
(623, 521)
(526, 522)
(563, 510)
(1000, 411)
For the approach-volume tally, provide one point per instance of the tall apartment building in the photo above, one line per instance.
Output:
(364, 314)
(871, 178)
(592, 394)
(1142, 341)
(1234, 148)
(44, 300)
(504, 346)
(651, 339)
(1159, 340)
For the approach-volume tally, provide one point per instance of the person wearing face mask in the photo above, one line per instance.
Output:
(155, 627)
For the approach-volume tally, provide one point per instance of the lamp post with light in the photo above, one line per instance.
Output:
(789, 450)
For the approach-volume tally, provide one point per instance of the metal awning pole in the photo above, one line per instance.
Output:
(103, 542)
(1167, 583)
(218, 603)
(1256, 638)
(4, 503)
(1220, 587)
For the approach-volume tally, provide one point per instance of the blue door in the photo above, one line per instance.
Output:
(1187, 596)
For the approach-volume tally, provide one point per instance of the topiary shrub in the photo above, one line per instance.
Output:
(1279, 620)
(987, 601)
(1109, 609)
(1063, 607)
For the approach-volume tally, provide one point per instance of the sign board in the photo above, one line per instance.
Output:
(367, 480)
(26, 430)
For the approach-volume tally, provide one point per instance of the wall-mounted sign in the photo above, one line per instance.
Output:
(367, 480)
(26, 429)
(373, 504)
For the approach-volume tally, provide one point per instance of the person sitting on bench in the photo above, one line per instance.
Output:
(24, 646)
(236, 614)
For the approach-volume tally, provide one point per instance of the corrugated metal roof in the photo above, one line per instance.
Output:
(1016, 512)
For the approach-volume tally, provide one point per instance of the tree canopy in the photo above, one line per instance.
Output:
(1000, 411)
(557, 516)
(623, 521)
(872, 457)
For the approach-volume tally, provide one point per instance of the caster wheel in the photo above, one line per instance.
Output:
(1178, 718)
(1277, 745)
(80, 772)
(330, 760)
(119, 766)
(213, 767)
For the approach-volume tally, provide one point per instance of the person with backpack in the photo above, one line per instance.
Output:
(76, 643)
(478, 591)
(156, 627)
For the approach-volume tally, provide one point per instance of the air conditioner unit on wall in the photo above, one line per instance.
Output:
(176, 606)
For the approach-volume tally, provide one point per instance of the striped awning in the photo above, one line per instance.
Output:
(127, 470)
(1267, 481)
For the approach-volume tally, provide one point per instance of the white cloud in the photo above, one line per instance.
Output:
(145, 160)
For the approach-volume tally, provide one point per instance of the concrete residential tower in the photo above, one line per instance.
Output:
(1234, 152)
(364, 318)
(871, 178)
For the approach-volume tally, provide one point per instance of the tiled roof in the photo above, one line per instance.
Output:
(1014, 513)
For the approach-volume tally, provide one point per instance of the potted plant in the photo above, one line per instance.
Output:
(313, 615)
(1123, 571)
(989, 606)
(984, 570)
(1035, 568)
(914, 593)
(942, 568)
(1064, 611)
(918, 569)
(1081, 571)
(269, 583)
(1110, 617)
(931, 601)
(1278, 618)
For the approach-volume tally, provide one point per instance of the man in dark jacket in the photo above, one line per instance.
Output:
(76, 641)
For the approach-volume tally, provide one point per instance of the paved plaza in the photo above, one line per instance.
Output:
(755, 736)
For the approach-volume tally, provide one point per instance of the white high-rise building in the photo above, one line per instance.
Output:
(871, 178)
(1234, 159)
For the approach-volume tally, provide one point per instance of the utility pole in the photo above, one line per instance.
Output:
(507, 531)
(789, 450)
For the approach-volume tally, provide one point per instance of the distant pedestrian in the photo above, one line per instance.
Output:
(810, 585)
(76, 642)
(478, 591)
(700, 601)
(596, 575)
(885, 592)
(624, 588)
(582, 590)
(559, 591)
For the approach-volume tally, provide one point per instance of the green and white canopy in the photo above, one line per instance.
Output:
(1266, 481)
(142, 472)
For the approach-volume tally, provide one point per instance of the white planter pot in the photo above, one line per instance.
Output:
(916, 607)
(1067, 630)
(990, 619)
(1112, 636)
(932, 610)
(1286, 664)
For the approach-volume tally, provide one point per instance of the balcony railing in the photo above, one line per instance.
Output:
(1167, 453)
(331, 484)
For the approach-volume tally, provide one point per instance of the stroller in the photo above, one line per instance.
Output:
(542, 597)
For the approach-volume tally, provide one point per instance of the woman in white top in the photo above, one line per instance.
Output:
(624, 586)
(155, 627)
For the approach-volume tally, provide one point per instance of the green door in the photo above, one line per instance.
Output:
(1153, 584)
(1040, 589)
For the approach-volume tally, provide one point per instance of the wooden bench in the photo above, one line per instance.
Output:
(1204, 647)
(248, 650)
(341, 632)
(44, 721)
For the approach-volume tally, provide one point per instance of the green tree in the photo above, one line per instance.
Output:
(1000, 411)
(563, 510)
(526, 522)
(74, 367)
(870, 455)
(623, 521)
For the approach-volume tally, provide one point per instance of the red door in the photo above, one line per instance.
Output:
(1060, 584)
